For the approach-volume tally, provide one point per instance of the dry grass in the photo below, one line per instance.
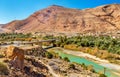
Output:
(3, 69)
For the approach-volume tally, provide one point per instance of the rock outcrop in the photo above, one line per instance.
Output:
(16, 56)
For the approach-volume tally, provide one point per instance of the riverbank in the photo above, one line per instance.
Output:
(61, 68)
(102, 62)
(73, 57)
(54, 67)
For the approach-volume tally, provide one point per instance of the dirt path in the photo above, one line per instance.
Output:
(49, 68)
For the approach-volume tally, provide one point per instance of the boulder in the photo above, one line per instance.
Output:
(15, 56)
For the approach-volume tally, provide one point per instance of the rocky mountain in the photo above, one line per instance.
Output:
(2, 30)
(1, 24)
(60, 19)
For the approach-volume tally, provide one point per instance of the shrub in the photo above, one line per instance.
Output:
(66, 59)
(90, 68)
(84, 66)
(56, 55)
(72, 66)
(102, 75)
(71, 47)
(49, 55)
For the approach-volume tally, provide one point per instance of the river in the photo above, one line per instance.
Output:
(97, 67)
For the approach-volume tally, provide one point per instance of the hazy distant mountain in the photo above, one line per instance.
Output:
(3, 30)
(60, 19)
(1, 24)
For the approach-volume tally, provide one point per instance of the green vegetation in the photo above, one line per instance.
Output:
(66, 59)
(72, 66)
(101, 42)
(15, 36)
(48, 37)
(90, 68)
(55, 55)
(84, 66)
(102, 75)
(104, 47)
(108, 43)
(49, 55)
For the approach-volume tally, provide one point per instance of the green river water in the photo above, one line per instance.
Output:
(98, 68)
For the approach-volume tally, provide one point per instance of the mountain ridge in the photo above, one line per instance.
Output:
(60, 19)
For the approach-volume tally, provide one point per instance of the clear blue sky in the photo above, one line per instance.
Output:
(21, 9)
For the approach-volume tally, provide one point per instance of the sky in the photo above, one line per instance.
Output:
(20, 9)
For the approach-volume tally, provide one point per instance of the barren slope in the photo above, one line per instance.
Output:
(59, 19)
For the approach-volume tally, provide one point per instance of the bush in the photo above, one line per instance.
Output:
(71, 47)
(49, 55)
(66, 59)
(1, 55)
(72, 66)
(90, 68)
(84, 66)
(102, 75)
(55, 55)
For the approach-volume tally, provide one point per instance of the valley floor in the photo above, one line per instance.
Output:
(100, 61)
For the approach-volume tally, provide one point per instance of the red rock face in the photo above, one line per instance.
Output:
(60, 19)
